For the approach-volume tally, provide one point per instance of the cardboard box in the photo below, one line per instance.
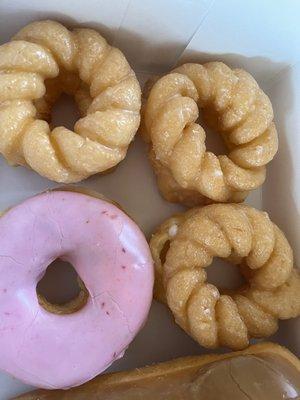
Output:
(260, 36)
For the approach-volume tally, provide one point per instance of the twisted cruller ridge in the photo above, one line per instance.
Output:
(45, 59)
(185, 244)
(233, 104)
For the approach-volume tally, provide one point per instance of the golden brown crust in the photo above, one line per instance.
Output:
(184, 245)
(45, 59)
(71, 306)
(233, 104)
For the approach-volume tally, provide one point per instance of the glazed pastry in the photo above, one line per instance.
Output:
(233, 104)
(54, 346)
(262, 372)
(186, 244)
(45, 59)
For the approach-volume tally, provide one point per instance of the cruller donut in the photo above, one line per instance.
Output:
(186, 244)
(233, 104)
(45, 59)
(53, 346)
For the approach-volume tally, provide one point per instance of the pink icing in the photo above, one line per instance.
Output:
(109, 253)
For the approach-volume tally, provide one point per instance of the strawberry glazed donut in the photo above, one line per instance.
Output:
(51, 347)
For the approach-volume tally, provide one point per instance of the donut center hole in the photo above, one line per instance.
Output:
(65, 112)
(213, 141)
(224, 275)
(61, 291)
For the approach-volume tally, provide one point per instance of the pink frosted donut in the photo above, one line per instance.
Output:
(111, 256)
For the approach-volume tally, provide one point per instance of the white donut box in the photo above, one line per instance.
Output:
(261, 36)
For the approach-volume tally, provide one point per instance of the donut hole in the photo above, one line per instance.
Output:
(65, 112)
(213, 141)
(58, 106)
(225, 275)
(61, 291)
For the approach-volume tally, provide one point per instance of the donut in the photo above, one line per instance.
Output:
(263, 371)
(45, 59)
(232, 104)
(186, 244)
(56, 348)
